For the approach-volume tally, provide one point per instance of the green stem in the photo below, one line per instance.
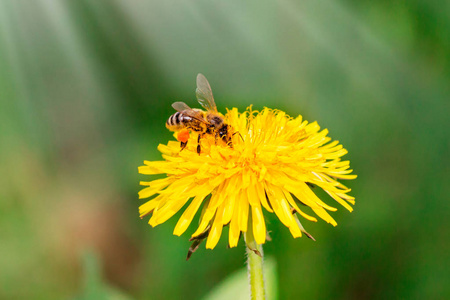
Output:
(255, 266)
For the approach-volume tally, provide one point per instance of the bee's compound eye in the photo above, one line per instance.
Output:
(223, 131)
(183, 136)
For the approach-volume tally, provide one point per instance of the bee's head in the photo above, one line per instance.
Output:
(224, 132)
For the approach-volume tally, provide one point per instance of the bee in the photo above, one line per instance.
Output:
(209, 122)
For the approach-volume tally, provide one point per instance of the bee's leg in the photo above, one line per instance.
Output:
(230, 143)
(183, 145)
(183, 137)
(237, 132)
(198, 144)
(216, 137)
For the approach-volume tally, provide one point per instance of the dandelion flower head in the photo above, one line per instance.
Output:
(273, 162)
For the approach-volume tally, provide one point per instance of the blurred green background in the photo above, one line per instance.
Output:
(85, 89)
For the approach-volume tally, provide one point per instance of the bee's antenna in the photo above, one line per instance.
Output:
(239, 135)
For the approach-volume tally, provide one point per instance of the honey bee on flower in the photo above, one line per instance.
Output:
(270, 168)
(209, 122)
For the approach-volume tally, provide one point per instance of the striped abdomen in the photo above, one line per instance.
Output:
(180, 120)
(177, 121)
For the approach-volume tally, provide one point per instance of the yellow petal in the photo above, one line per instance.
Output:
(228, 209)
(167, 211)
(279, 204)
(342, 202)
(186, 218)
(243, 211)
(295, 206)
(206, 218)
(234, 232)
(147, 207)
(259, 187)
(259, 226)
(216, 229)
(294, 229)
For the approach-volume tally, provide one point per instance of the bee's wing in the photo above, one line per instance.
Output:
(186, 110)
(204, 94)
(180, 106)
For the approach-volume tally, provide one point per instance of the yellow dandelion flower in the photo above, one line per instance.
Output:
(271, 165)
